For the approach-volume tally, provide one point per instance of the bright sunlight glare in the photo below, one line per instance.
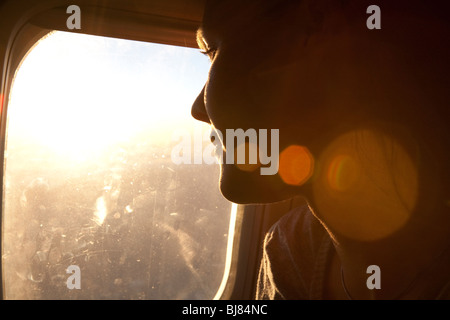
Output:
(77, 94)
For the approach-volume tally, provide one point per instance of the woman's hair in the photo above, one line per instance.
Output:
(417, 33)
(414, 34)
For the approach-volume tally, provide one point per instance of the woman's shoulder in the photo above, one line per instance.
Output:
(295, 255)
(298, 228)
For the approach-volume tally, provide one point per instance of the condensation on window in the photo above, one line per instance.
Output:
(90, 182)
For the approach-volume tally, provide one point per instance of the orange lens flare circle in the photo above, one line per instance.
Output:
(367, 186)
(296, 165)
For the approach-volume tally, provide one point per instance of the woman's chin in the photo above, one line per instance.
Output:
(251, 187)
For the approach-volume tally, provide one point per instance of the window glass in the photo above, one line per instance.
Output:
(94, 205)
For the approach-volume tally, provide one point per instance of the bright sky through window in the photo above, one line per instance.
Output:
(96, 97)
(89, 179)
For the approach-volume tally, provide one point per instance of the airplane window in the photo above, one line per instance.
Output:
(95, 207)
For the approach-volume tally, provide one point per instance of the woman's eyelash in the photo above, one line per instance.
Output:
(210, 52)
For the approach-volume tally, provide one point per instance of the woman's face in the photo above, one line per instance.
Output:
(311, 78)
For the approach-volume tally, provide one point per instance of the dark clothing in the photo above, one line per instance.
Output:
(297, 251)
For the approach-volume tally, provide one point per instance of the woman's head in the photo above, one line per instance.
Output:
(313, 70)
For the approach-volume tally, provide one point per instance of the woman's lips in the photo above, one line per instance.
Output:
(217, 143)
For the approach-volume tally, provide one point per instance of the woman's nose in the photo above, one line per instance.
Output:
(198, 110)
